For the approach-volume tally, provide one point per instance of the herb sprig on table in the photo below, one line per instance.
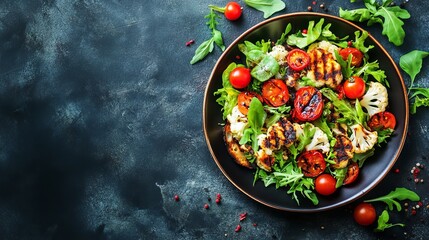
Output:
(386, 14)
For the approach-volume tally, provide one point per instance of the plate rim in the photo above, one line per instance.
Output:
(358, 194)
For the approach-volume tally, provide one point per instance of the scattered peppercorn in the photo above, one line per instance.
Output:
(238, 228)
(209, 199)
(322, 227)
(243, 216)
(237, 57)
(314, 2)
(218, 200)
(206, 206)
(190, 42)
(413, 212)
(322, 6)
(254, 224)
(176, 198)
(309, 8)
(397, 170)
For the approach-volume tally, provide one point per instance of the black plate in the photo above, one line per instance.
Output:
(375, 168)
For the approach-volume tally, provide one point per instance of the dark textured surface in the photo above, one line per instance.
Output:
(101, 125)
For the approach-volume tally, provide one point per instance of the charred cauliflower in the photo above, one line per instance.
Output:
(362, 139)
(375, 99)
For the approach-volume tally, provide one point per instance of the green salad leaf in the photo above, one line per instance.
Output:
(385, 14)
(383, 222)
(397, 194)
(227, 94)
(412, 63)
(256, 118)
(268, 7)
(265, 69)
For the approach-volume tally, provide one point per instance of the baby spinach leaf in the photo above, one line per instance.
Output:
(412, 63)
(268, 7)
(256, 118)
(383, 222)
(265, 69)
(203, 50)
(313, 34)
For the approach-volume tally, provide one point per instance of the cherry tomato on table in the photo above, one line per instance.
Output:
(308, 104)
(311, 163)
(354, 87)
(325, 184)
(298, 59)
(364, 214)
(275, 92)
(244, 99)
(382, 120)
(357, 56)
(232, 11)
(240, 77)
(352, 173)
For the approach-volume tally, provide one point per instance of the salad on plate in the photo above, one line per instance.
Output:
(305, 111)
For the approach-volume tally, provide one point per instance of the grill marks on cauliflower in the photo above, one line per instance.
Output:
(343, 151)
(282, 133)
(236, 150)
(324, 69)
(362, 139)
(375, 100)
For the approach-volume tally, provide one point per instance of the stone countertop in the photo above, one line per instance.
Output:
(101, 125)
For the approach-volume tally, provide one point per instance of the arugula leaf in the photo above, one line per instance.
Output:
(399, 194)
(283, 38)
(228, 94)
(383, 135)
(383, 222)
(419, 102)
(359, 43)
(268, 7)
(340, 175)
(385, 14)
(277, 113)
(207, 46)
(346, 65)
(412, 63)
(360, 158)
(372, 69)
(306, 136)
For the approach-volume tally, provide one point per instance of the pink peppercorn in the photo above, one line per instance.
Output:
(238, 228)
(206, 206)
(176, 198)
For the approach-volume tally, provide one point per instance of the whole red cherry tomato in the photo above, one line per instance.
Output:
(240, 77)
(354, 87)
(364, 214)
(232, 11)
(325, 184)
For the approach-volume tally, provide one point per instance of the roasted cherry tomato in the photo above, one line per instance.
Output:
(354, 87)
(240, 77)
(352, 173)
(357, 56)
(298, 59)
(382, 120)
(275, 92)
(364, 214)
(325, 184)
(232, 11)
(311, 163)
(244, 99)
(340, 91)
(308, 104)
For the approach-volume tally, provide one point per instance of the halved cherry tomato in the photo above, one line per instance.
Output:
(232, 11)
(364, 214)
(354, 87)
(240, 77)
(340, 91)
(298, 59)
(244, 99)
(325, 184)
(352, 173)
(275, 92)
(357, 56)
(311, 163)
(308, 104)
(382, 120)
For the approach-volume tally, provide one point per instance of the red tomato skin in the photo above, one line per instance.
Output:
(325, 184)
(233, 11)
(382, 120)
(307, 108)
(357, 56)
(312, 163)
(240, 77)
(354, 87)
(352, 173)
(244, 99)
(275, 92)
(298, 59)
(364, 214)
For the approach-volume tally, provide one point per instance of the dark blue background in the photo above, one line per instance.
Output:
(101, 125)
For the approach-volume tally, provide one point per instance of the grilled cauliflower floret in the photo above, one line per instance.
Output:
(325, 45)
(343, 151)
(238, 122)
(279, 52)
(237, 151)
(264, 161)
(319, 142)
(375, 99)
(323, 69)
(362, 139)
(281, 133)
